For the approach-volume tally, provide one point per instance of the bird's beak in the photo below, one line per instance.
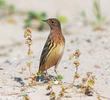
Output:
(44, 20)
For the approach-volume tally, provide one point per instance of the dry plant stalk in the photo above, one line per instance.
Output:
(84, 80)
(62, 92)
(50, 84)
(52, 94)
(98, 97)
(87, 83)
(76, 63)
(49, 87)
(28, 36)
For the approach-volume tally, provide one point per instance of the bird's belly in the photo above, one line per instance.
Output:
(55, 56)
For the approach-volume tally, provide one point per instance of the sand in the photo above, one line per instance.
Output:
(93, 45)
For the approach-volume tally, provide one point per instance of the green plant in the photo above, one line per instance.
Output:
(40, 74)
(2, 3)
(35, 16)
(27, 22)
(99, 18)
(26, 97)
(59, 77)
(41, 25)
(11, 8)
(62, 19)
(32, 15)
(84, 18)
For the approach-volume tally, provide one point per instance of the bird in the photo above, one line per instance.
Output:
(53, 48)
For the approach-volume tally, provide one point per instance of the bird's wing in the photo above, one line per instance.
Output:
(49, 45)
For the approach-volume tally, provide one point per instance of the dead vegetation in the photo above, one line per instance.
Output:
(86, 86)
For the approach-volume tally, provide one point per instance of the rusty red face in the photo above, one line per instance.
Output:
(53, 23)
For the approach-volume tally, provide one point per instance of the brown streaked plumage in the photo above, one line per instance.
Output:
(54, 46)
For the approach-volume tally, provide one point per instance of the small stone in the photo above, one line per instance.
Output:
(56, 82)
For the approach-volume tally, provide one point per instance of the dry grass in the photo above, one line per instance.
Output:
(86, 86)
(28, 36)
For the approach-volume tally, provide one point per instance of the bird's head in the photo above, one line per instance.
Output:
(53, 23)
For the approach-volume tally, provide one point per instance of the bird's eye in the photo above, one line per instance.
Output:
(52, 22)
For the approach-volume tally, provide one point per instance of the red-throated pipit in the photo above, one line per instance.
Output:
(54, 46)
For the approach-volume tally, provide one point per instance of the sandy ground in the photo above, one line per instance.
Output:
(94, 47)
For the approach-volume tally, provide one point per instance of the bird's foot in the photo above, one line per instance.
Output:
(56, 72)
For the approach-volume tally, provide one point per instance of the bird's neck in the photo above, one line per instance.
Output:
(56, 30)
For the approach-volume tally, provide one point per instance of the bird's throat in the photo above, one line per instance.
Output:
(56, 30)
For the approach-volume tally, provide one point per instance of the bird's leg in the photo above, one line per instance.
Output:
(46, 72)
(46, 75)
(55, 70)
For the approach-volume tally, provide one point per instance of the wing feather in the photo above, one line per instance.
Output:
(46, 51)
